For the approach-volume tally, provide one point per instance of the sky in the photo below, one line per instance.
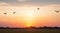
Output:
(27, 13)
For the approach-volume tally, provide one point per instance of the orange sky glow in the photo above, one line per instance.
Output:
(29, 16)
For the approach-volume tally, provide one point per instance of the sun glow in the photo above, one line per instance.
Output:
(29, 14)
(28, 25)
(29, 17)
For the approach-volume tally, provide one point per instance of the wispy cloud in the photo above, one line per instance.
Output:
(22, 0)
(31, 2)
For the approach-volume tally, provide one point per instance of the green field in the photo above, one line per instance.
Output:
(29, 30)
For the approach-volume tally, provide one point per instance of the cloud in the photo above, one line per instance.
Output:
(44, 2)
(22, 0)
(31, 2)
(8, 0)
(3, 4)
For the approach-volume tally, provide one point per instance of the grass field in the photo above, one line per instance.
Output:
(29, 30)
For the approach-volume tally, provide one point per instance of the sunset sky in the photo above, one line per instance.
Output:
(27, 13)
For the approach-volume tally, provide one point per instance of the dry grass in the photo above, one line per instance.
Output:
(29, 30)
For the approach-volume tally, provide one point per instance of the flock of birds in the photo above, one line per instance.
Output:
(13, 13)
(57, 11)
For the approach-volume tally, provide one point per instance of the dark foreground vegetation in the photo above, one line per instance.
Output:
(31, 27)
(30, 30)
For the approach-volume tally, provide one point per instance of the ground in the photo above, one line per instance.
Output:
(29, 30)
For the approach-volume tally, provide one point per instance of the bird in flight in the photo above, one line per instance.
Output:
(38, 8)
(14, 12)
(57, 11)
(5, 13)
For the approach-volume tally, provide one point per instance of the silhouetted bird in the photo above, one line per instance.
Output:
(38, 8)
(57, 11)
(5, 13)
(14, 12)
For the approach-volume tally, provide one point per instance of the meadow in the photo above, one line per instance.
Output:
(29, 30)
